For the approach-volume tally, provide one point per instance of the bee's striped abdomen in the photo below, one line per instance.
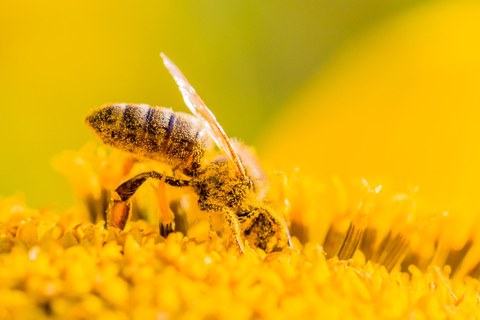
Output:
(157, 133)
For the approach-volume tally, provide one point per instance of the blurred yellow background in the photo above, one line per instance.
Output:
(248, 59)
(400, 106)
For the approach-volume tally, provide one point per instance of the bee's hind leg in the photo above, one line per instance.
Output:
(119, 210)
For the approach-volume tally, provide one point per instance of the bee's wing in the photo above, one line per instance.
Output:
(200, 110)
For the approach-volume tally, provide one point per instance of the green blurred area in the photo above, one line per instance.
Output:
(58, 59)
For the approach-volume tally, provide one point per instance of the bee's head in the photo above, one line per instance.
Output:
(263, 228)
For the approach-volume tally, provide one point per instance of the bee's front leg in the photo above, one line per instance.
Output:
(232, 221)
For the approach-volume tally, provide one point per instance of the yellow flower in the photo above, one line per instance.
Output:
(359, 251)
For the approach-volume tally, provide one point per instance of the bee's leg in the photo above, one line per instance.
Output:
(118, 212)
(181, 221)
(120, 206)
(232, 221)
(127, 189)
(166, 216)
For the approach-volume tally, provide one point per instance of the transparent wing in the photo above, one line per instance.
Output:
(200, 110)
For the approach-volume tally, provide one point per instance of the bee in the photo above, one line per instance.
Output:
(230, 182)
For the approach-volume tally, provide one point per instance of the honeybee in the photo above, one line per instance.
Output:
(230, 182)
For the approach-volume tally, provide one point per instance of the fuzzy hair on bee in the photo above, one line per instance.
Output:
(174, 138)
(227, 179)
